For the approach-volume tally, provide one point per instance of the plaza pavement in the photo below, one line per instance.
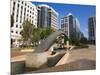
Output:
(78, 59)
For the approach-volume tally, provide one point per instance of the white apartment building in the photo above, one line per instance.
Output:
(54, 19)
(21, 11)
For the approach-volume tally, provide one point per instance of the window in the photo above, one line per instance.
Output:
(13, 13)
(62, 21)
(62, 25)
(20, 27)
(17, 13)
(25, 4)
(17, 18)
(11, 31)
(27, 14)
(22, 2)
(16, 26)
(20, 19)
(28, 6)
(13, 8)
(24, 13)
(21, 14)
(18, 5)
(65, 19)
(20, 32)
(16, 32)
(21, 7)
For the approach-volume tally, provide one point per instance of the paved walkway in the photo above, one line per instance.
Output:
(18, 58)
(74, 55)
(19, 55)
(80, 59)
(86, 53)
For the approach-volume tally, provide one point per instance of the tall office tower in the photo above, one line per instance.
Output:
(71, 26)
(92, 29)
(77, 29)
(47, 17)
(21, 11)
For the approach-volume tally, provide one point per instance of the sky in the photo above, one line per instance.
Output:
(81, 12)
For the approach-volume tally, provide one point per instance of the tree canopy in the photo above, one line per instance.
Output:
(31, 34)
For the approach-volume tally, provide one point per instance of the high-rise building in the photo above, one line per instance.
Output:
(92, 29)
(77, 29)
(81, 35)
(21, 11)
(71, 26)
(47, 17)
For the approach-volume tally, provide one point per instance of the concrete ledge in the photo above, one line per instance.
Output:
(42, 60)
(53, 60)
(36, 60)
(63, 60)
(18, 58)
(17, 67)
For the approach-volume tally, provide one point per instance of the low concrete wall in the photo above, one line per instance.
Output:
(42, 60)
(36, 60)
(63, 60)
(53, 60)
(17, 67)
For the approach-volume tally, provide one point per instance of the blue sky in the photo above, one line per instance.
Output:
(82, 12)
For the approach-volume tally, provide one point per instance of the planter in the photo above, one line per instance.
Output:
(17, 67)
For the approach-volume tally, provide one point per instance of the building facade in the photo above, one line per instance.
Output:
(77, 29)
(21, 11)
(71, 26)
(92, 29)
(47, 17)
(81, 35)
